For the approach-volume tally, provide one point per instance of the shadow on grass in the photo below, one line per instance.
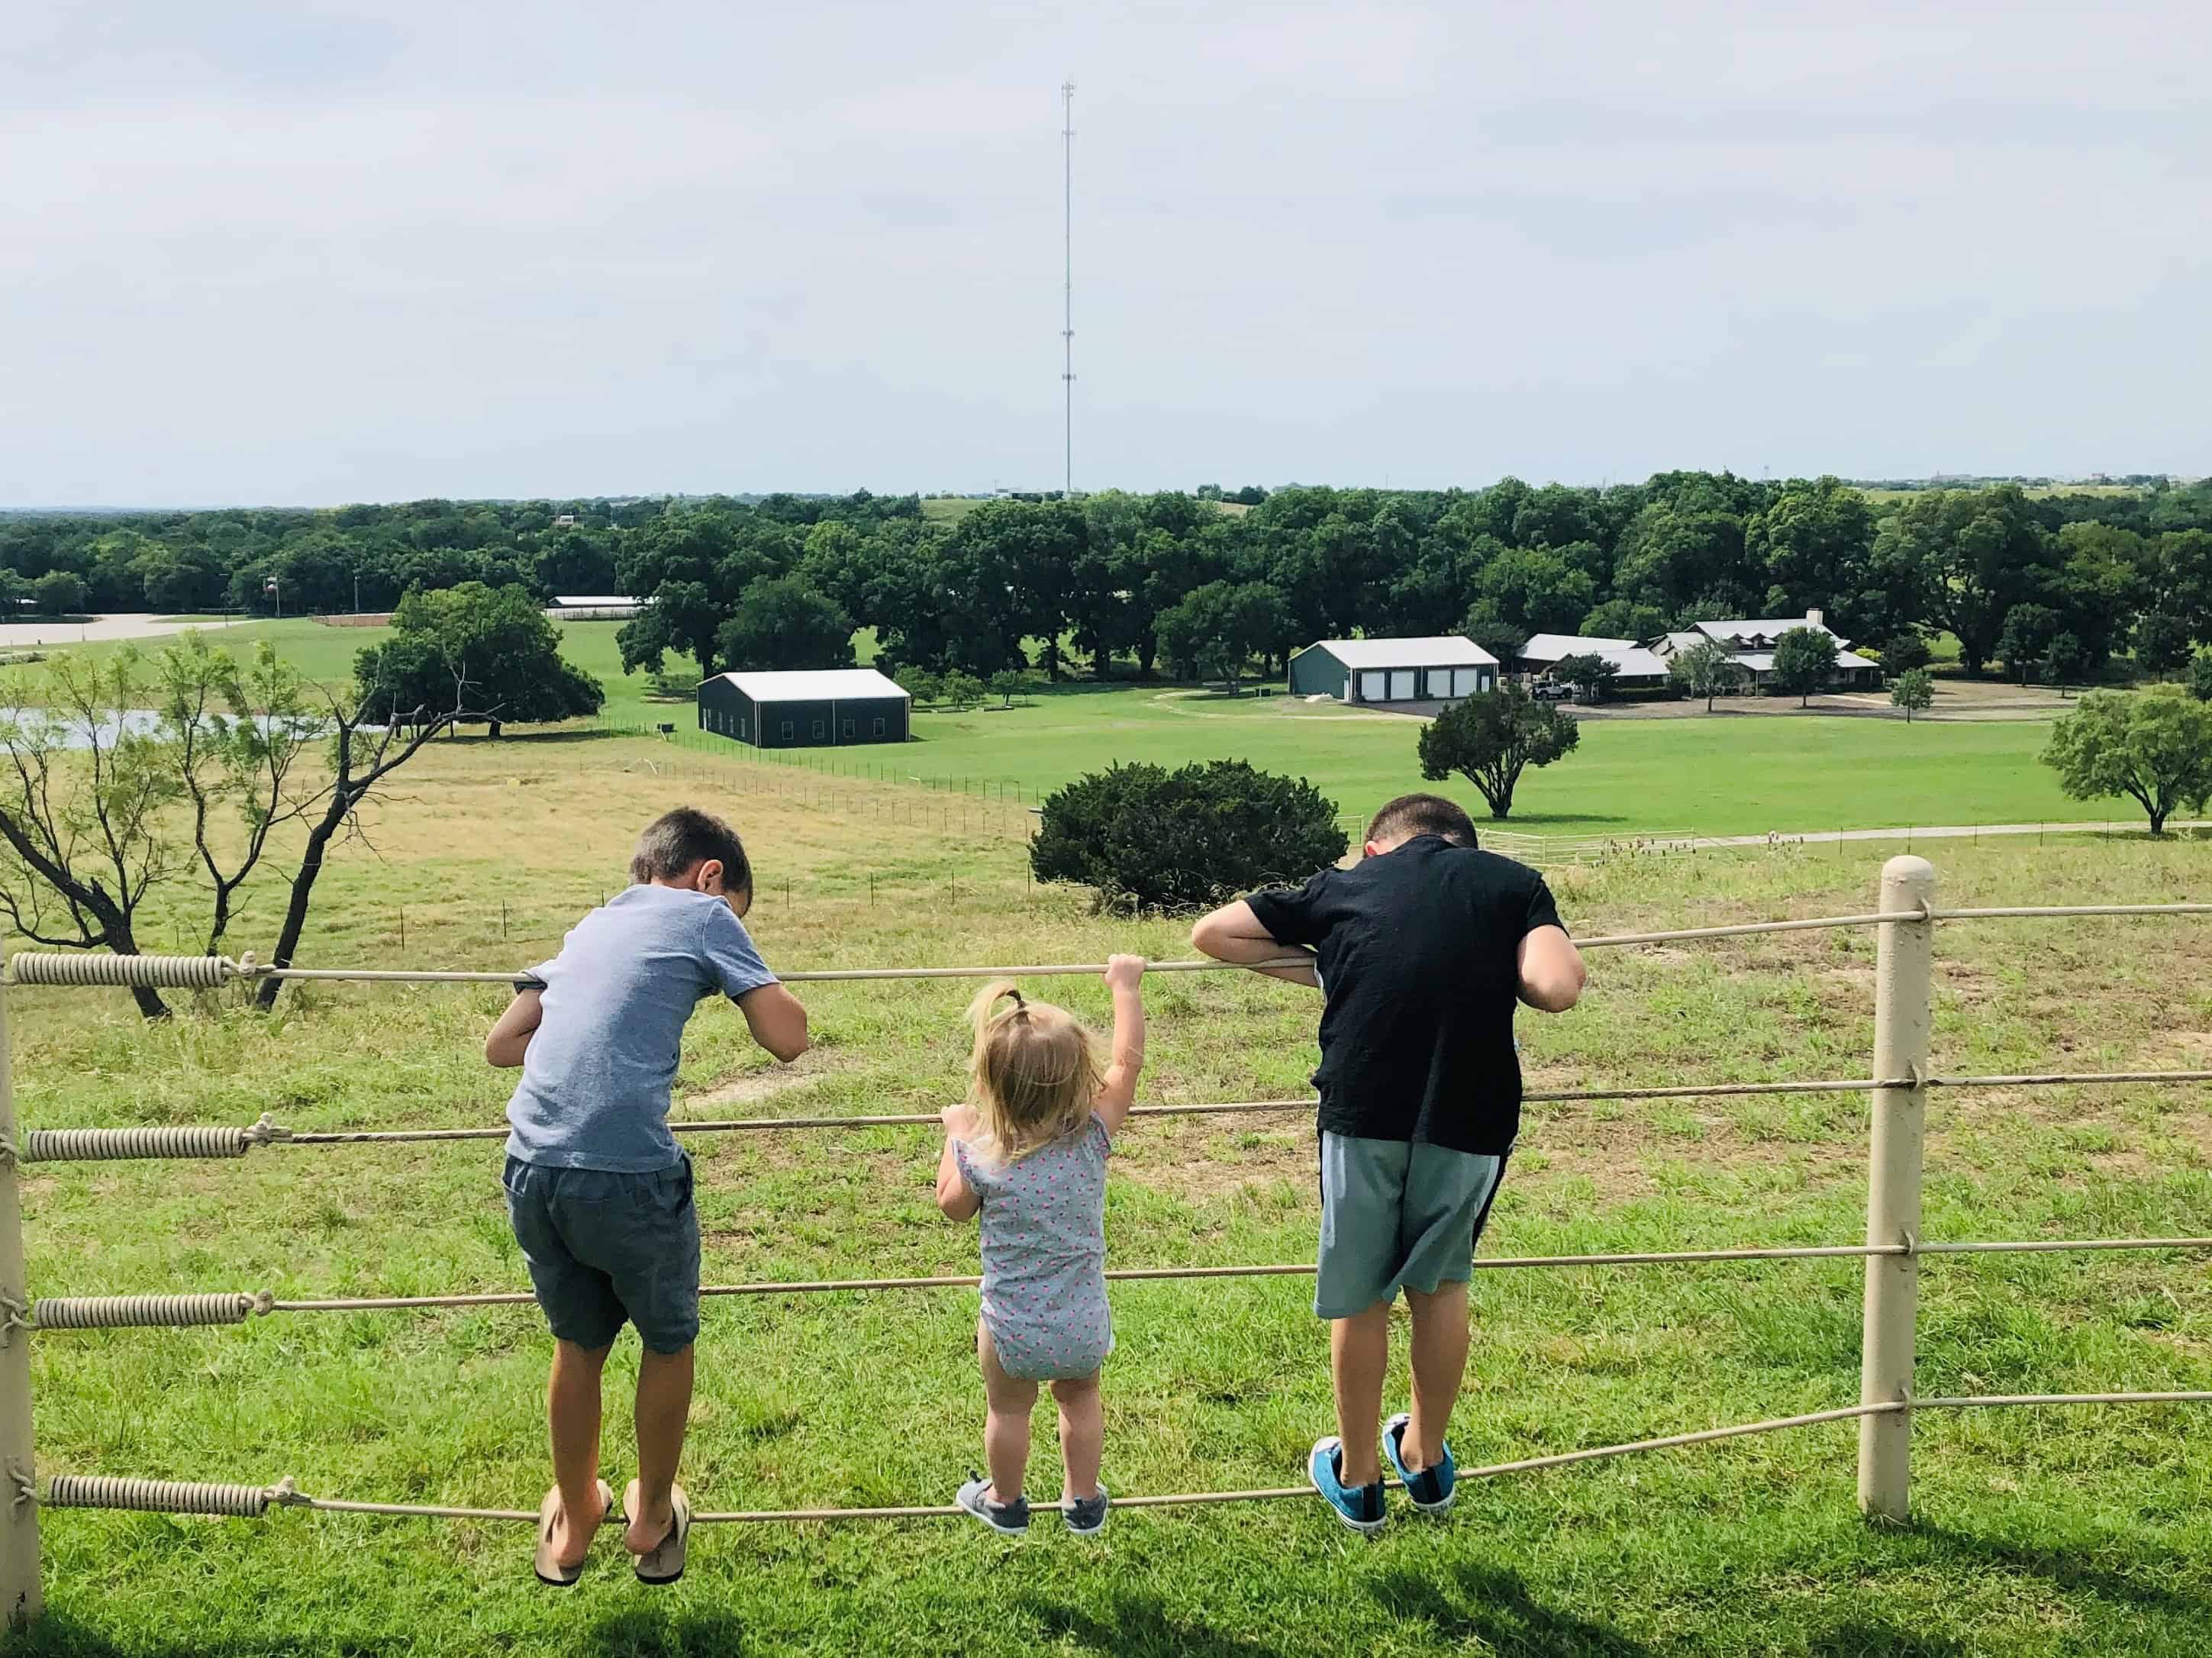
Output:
(653, 1632)
(1136, 1625)
(676, 1631)
(2074, 1572)
(1472, 1602)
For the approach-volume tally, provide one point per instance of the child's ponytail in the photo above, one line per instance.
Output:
(1032, 1075)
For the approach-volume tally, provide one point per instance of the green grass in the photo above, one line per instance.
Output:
(2037, 1532)
(1730, 774)
(326, 655)
(1726, 774)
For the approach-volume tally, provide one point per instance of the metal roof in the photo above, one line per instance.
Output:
(1439, 651)
(593, 598)
(814, 685)
(1772, 628)
(1549, 647)
(1763, 661)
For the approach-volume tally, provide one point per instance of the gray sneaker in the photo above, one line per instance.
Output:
(1086, 1516)
(1007, 1519)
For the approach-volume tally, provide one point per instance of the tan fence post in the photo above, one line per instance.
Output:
(19, 1530)
(1904, 1014)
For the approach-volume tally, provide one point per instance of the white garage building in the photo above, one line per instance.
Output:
(1442, 669)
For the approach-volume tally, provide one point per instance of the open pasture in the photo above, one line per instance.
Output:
(2036, 1533)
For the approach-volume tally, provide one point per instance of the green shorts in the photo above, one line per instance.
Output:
(1397, 1215)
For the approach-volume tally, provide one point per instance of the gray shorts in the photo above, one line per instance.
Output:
(1395, 1215)
(605, 1247)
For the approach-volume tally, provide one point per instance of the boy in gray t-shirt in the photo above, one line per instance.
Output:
(598, 1190)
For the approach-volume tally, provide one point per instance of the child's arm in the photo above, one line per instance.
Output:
(1233, 933)
(509, 1038)
(777, 1021)
(1125, 975)
(1551, 969)
(959, 1199)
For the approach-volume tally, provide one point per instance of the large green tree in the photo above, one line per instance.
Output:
(1491, 739)
(1221, 627)
(2154, 748)
(782, 622)
(1804, 662)
(483, 654)
(1969, 556)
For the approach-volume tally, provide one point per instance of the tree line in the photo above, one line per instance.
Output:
(2053, 585)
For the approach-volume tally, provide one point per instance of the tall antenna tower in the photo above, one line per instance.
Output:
(1067, 288)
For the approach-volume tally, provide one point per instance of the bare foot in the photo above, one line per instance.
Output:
(648, 1528)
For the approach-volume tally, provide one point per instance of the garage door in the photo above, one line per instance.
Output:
(1371, 687)
(1466, 681)
(1402, 685)
(1440, 682)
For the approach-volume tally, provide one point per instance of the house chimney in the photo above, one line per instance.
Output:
(1816, 618)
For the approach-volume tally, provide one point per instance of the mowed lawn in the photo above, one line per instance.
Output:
(1725, 774)
(2037, 1532)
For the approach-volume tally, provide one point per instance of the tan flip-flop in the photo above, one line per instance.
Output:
(664, 1562)
(548, 1569)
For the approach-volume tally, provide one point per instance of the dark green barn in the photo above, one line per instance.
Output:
(821, 708)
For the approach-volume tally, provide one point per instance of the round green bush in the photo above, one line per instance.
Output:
(1145, 838)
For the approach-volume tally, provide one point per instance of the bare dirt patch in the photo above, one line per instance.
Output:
(756, 1086)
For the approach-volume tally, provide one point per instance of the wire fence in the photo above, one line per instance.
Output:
(1901, 1080)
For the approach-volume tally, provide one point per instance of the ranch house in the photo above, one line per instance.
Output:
(809, 709)
(1438, 669)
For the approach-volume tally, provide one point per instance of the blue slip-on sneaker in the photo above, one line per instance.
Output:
(1007, 1519)
(1359, 1506)
(1086, 1516)
(1433, 1488)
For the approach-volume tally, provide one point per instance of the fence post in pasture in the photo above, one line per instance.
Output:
(19, 1548)
(1903, 1011)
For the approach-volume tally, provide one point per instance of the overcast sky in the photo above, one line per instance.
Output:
(311, 252)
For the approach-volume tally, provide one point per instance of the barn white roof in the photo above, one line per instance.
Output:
(1439, 651)
(814, 685)
(592, 600)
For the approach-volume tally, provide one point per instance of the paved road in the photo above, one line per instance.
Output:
(44, 630)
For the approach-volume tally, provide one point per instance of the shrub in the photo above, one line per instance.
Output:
(1145, 838)
(2200, 675)
(1905, 653)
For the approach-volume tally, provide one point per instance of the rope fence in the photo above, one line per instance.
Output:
(253, 1502)
(178, 1311)
(52, 967)
(1899, 1081)
(106, 1145)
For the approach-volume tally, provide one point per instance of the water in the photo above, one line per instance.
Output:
(66, 731)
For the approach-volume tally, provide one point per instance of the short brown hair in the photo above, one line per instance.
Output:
(676, 842)
(1422, 814)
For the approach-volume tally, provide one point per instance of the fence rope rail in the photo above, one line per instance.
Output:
(172, 1311)
(100, 1144)
(206, 972)
(253, 1502)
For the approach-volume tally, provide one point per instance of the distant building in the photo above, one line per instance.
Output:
(1635, 667)
(1750, 645)
(1442, 669)
(806, 708)
(565, 521)
(594, 607)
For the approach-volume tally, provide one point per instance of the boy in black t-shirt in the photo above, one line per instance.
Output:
(1422, 948)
